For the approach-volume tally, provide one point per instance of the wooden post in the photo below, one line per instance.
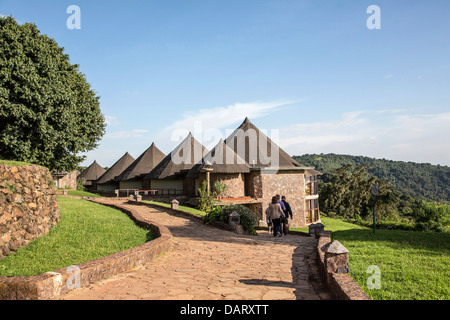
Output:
(208, 182)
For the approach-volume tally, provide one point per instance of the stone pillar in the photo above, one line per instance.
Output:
(336, 257)
(174, 204)
(207, 168)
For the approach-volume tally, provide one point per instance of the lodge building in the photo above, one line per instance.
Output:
(249, 163)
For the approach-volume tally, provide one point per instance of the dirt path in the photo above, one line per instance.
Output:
(207, 263)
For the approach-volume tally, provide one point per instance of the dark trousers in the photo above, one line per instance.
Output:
(276, 226)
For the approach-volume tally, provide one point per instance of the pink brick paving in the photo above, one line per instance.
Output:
(208, 263)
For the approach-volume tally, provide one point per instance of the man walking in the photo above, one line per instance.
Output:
(287, 210)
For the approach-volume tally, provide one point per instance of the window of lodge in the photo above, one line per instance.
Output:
(312, 210)
(312, 187)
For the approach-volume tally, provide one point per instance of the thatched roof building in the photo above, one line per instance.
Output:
(256, 148)
(221, 159)
(176, 164)
(92, 173)
(142, 165)
(108, 177)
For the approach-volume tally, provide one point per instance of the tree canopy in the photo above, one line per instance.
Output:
(48, 112)
(348, 194)
(423, 181)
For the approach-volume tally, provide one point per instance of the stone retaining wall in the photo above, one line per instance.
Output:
(28, 205)
(51, 285)
(342, 286)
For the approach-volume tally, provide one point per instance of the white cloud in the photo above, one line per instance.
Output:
(112, 120)
(392, 135)
(223, 117)
(207, 125)
(388, 76)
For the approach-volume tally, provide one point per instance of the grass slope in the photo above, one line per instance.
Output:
(182, 208)
(413, 265)
(87, 231)
(82, 194)
(14, 163)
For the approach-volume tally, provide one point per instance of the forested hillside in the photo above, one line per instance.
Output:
(420, 180)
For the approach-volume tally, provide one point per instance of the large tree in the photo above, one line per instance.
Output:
(348, 194)
(48, 112)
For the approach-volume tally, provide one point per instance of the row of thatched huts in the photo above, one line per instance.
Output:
(250, 164)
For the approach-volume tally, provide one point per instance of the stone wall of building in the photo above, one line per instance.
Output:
(234, 181)
(28, 206)
(254, 184)
(290, 184)
(69, 180)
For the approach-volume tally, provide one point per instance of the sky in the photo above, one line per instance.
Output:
(314, 74)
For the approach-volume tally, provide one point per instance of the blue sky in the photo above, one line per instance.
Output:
(310, 70)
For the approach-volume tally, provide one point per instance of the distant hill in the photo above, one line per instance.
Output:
(420, 180)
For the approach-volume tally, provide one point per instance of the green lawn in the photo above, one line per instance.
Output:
(87, 231)
(82, 193)
(414, 265)
(182, 208)
(14, 163)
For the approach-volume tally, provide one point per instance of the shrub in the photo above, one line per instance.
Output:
(222, 213)
(248, 217)
(216, 214)
(80, 184)
(206, 200)
(431, 216)
(220, 187)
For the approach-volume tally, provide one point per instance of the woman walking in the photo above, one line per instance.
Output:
(274, 213)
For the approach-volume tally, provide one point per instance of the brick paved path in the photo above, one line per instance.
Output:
(207, 263)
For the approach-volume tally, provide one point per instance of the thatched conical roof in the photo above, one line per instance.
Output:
(221, 159)
(247, 141)
(92, 173)
(188, 153)
(124, 162)
(142, 165)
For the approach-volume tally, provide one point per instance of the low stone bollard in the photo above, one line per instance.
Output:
(336, 257)
(138, 198)
(234, 218)
(316, 229)
(175, 204)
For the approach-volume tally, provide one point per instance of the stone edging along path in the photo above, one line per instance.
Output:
(51, 285)
(342, 286)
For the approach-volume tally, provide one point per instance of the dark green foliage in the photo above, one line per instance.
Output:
(348, 194)
(215, 214)
(80, 184)
(248, 217)
(345, 192)
(419, 180)
(222, 213)
(432, 216)
(48, 112)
